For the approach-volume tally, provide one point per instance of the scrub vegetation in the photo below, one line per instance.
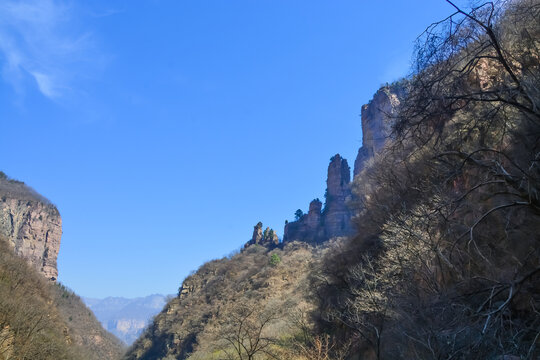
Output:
(40, 319)
(445, 263)
(445, 260)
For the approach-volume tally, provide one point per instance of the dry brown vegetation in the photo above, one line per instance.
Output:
(446, 263)
(84, 330)
(39, 319)
(247, 306)
(14, 189)
(30, 327)
(446, 260)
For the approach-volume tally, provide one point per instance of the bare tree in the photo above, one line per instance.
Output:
(451, 227)
(246, 333)
(473, 57)
(324, 347)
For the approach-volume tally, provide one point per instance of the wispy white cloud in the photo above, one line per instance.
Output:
(45, 84)
(41, 41)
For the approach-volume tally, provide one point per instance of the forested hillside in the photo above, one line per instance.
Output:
(445, 259)
(258, 298)
(40, 319)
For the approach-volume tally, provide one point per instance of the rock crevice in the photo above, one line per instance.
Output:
(32, 226)
(321, 224)
(267, 238)
(335, 219)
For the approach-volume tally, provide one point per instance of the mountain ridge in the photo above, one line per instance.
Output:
(444, 259)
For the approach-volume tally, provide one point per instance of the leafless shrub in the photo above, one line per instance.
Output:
(449, 213)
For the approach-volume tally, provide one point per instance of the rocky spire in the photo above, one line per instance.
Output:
(270, 238)
(267, 238)
(337, 216)
(313, 217)
(334, 220)
(257, 233)
(337, 183)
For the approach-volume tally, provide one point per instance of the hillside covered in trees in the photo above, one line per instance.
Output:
(430, 251)
(444, 262)
(40, 319)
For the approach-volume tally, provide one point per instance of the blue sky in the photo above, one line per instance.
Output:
(164, 130)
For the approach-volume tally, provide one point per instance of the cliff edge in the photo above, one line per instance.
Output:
(322, 223)
(31, 224)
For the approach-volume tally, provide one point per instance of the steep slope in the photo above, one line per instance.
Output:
(31, 224)
(42, 320)
(449, 211)
(444, 261)
(31, 327)
(126, 318)
(237, 294)
(39, 318)
(260, 287)
(84, 329)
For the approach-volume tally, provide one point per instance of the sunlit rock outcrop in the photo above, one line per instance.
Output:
(31, 224)
(267, 238)
(377, 119)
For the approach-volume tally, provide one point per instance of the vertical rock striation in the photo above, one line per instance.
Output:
(335, 219)
(336, 214)
(267, 238)
(377, 119)
(31, 224)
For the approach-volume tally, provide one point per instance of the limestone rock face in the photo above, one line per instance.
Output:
(257, 233)
(335, 219)
(337, 216)
(313, 217)
(31, 224)
(267, 238)
(377, 123)
(308, 227)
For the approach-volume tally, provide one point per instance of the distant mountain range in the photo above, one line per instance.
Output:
(126, 318)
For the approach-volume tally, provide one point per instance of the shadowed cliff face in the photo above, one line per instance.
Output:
(336, 215)
(335, 219)
(319, 224)
(377, 118)
(31, 224)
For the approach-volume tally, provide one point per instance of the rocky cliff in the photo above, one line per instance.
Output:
(191, 325)
(267, 238)
(334, 220)
(31, 224)
(48, 317)
(377, 118)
